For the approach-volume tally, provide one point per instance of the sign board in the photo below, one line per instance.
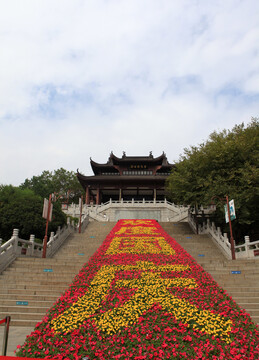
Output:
(80, 253)
(256, 252)
(48, 270)
(231, 210)
(201, 255)
(24, 303)
(235, 272)
(45, 209)
(64, 206)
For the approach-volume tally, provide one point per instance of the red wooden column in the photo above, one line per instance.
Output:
(98, 197)
(87, 196)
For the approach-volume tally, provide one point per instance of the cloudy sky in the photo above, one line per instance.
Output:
(82, 78)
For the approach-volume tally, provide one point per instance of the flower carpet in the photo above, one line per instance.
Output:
(142, 296)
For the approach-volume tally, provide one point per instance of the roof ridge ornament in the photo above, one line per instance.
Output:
(151, 155)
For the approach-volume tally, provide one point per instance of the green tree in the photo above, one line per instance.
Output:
(22, 209)
(226, 164)
(62, 182)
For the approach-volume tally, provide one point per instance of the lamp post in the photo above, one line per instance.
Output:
(230, 225)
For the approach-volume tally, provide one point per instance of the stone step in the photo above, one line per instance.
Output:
(236, 293)
(252, 312)
(44, 264)
(23, 284)
(247, 300)
(36, 317)
(23, 323)
(31, 302)
(48, 274)
(255, 319)
(23, 309)
(5, 297)
(40, 291)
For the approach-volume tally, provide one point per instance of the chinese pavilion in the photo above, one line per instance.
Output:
(128, 177)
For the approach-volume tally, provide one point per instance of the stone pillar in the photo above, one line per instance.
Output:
(155, 195)
(120, 194)
(87, 195)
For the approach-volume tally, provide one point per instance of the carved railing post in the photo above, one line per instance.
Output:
(15, 237)
(32, 240)
(247, 241)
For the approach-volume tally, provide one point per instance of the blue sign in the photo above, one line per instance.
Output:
(236, 272)
(92, 237)
(21, 302)
(48, 270)
(201, 255)
(188, 237)
(80, 253)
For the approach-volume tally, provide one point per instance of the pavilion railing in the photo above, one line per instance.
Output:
(96, 212)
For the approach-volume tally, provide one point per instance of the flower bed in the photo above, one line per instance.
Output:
(141, 296)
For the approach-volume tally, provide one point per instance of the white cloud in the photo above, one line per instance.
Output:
(82, 78)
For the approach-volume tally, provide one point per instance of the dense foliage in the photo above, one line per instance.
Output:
(22, 209)
(141, 296)
(226, 164)
(62, 182)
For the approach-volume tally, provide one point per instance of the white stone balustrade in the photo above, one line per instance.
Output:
(164, 210)
(21, 247)
(246, 250)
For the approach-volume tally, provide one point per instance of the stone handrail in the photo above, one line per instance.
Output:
(16, 246)
(246, 250)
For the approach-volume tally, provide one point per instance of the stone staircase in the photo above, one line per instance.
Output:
(243, 288)
(30, 286)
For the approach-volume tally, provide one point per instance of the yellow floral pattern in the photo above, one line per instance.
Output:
(139, 245)
(151, 289)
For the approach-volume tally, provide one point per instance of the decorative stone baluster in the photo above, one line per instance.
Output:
(247, 241)
(225, 235)
(15, 237)
(32, 240)
(219, 233)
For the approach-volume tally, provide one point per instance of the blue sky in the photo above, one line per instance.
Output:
(79, 78)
